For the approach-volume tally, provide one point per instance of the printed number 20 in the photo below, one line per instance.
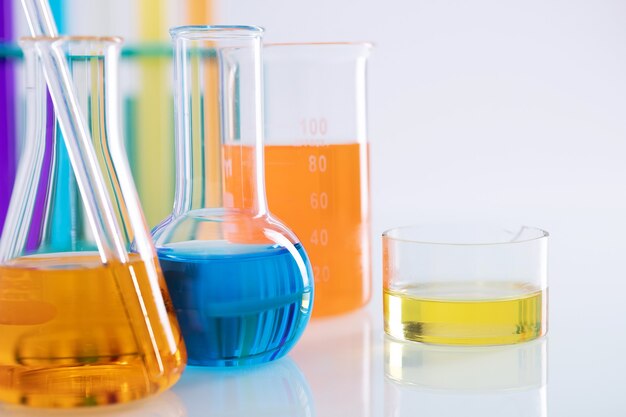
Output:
(321, 273)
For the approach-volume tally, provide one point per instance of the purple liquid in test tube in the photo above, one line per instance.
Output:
(8, 133)
(36, 225)
(7, 112)
(62, 213)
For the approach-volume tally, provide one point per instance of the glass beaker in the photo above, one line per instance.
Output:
(240, 280)
(83, 321)
(465, 284)
(316, 163)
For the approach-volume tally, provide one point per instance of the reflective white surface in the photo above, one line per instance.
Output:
(483, 381)
(345, 366)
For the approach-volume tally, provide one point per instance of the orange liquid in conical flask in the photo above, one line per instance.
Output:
(321, 193)
(73, 333)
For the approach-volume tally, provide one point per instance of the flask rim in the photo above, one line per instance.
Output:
(64, 38)
(75, 46)
(199, 32)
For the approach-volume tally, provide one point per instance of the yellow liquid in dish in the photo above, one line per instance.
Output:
(68, 337)
(488, 313)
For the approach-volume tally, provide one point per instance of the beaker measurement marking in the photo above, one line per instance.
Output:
(319, 237)
(314, 126)
(317, 163)
(313, 141)
(321, 273)
(228, 167)
(319, 200)
(291, 186)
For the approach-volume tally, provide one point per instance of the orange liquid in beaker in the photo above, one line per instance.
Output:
(322, 193)
(69, 338)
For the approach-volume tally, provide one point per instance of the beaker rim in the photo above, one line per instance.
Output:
(236, 31)
(320, 52)
(365, 44)
(433, 234)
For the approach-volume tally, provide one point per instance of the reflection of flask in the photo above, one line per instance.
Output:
(278, 389)
(316, 159)
(470, 381)
(167, 404)
(83, 321)
(339, 348)
(240, 280)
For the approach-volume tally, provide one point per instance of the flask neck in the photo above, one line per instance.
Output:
(218, 119)
(80, 202)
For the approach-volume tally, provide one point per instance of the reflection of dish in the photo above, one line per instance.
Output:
(508, 367)
(492, 381)
(166, 404)
(276, 389)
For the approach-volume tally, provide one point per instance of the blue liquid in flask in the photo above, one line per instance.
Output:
(238, 304)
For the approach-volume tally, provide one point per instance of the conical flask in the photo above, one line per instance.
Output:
(240, 281)
(83, 320)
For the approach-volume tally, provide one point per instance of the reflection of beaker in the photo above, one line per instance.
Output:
(166, 404)
(240, 280)
(82, 320)
(335, 355)
(469, 381)
(316, 163)
(278, 389)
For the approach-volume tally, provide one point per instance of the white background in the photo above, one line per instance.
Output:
(506, 111)
(485, 105)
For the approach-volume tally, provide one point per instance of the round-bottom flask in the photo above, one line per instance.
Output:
(241, 283)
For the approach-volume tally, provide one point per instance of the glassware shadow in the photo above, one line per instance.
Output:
(335, 354)
(472, 381)
(276, 389)
(167, 404)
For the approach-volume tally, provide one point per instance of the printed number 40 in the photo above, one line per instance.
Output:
(319, 237)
